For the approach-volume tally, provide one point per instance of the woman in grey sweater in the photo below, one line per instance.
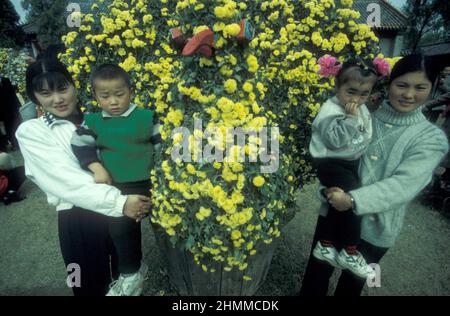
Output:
(398, 164)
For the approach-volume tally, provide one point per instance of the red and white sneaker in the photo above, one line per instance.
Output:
(356, 264)
(328, 254)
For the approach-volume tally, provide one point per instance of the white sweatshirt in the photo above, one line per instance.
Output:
(51, 164)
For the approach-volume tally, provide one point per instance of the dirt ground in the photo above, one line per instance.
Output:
(31, 262)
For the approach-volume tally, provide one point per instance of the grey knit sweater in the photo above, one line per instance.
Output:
(397, 165)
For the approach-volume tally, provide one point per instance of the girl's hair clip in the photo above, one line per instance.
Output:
(329, 66)
(382, 66)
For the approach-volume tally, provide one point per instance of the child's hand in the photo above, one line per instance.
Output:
(136, 207)
(352, 108)
(102, 176)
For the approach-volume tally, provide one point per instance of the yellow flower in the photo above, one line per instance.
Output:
(248, 87)
(191, 169)
(231, 30)
(258, 181)
(252, 63)
(230, 86)
(235, 234)
(147, 18)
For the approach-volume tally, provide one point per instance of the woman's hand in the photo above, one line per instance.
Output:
(137, 207)
(339, 200)
(332, 189)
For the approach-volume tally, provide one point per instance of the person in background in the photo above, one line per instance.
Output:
(11, 178)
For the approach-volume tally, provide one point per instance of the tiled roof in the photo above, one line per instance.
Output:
(391, 18)
(437, 49)
(432, 49)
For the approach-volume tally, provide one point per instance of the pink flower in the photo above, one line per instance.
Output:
(329, 66)
(382, 66)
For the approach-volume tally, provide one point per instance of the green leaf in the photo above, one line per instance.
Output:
(173, 240)
(190, 242)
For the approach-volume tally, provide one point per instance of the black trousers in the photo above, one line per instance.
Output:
(126, 233)
(317, 275)
(340, 227)
(84, 240)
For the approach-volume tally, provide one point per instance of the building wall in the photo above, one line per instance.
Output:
(399, 45)
(391, 43)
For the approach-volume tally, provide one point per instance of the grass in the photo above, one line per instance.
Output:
(32, 263)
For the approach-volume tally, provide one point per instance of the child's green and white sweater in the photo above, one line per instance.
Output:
(397, 165)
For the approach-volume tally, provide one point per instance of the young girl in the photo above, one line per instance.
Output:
(397, 165)
(341, 133)
(83, 206)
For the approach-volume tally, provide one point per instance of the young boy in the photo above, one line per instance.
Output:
(124, 136)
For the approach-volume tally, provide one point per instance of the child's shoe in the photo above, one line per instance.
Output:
(356, 264)
(130, 285)
(328, 254)
(198, 43)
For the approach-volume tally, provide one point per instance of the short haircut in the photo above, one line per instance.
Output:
(414, 63)
(356, 70)
(108, 72)
(50, 72)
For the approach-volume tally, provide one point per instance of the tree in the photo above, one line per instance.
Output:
(11, 34)
(429, 19)
(49, 17)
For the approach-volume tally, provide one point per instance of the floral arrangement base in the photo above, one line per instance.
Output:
(189, 279)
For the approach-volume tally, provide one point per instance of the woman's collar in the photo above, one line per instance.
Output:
(388, 114)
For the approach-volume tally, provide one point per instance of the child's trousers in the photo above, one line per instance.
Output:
(318, 273)
(126, 233)
(342, 228)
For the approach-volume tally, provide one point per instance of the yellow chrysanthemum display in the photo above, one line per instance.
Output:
(220, 209)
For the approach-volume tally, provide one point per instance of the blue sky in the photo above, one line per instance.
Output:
(397, 3)
(21, 11)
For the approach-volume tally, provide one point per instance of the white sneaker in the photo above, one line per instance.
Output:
(328, 254)
(130, 285)
(356, 264)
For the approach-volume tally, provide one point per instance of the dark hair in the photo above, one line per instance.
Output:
(46, 71)
(110, 71)
(414, 63)
(357, 70)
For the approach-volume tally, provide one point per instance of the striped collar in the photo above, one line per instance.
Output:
(51, 120)
(124, 114)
